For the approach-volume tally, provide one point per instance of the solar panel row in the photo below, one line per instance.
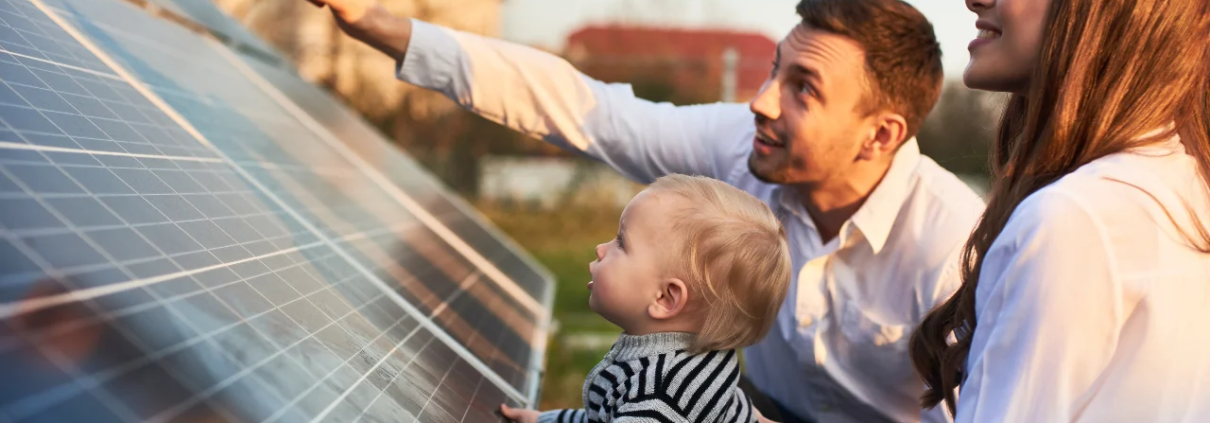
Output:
(191, 233)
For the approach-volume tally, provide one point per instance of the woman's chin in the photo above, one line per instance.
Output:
(985, 78)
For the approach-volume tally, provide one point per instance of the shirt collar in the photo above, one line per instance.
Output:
(1170, 145)
(877, 216)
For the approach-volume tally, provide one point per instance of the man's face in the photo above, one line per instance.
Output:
(810, 122)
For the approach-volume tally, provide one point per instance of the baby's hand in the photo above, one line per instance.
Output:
(760, 418)
(519, 415)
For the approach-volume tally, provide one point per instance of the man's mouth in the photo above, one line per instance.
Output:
(769, 141)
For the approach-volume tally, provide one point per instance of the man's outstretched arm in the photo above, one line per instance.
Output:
(544, 96)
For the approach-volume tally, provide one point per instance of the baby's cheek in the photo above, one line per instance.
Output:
(592, 303)
(599, 299)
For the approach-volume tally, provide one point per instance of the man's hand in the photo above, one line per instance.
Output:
(347, 12)
(519, 415)
(369, 22)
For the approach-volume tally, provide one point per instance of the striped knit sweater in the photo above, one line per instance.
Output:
(651, 378)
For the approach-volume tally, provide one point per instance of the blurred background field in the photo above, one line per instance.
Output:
(558, 205)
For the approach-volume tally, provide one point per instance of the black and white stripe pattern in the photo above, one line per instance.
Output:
(651, 378)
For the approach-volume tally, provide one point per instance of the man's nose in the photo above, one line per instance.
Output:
(766, 104)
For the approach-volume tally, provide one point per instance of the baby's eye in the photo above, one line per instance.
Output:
(621, 243)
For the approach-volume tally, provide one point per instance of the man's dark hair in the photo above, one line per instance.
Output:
(902, 55)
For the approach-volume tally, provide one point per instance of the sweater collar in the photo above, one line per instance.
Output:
(632, 347)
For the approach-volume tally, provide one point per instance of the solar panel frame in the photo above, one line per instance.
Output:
(324, 239)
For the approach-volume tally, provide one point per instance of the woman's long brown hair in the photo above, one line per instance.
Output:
(1109, 72)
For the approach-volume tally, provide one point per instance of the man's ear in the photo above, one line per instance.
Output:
(889, 130)
(670, 300)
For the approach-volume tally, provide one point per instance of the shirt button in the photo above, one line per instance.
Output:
(805, 321)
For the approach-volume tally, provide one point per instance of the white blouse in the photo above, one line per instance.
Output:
(1092, 305)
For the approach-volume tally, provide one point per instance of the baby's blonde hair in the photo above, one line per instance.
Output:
(733, 254)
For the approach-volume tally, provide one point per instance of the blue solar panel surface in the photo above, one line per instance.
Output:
(188, 232)
(207, 15)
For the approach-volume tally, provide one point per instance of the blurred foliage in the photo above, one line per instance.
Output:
(451, 145)
(959, 131)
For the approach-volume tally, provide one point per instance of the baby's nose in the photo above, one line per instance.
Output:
(601, 250)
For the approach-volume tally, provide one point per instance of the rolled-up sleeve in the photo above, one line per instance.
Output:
(544, 96)
(1050, 310)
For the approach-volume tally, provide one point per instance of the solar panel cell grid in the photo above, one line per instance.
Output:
(403, 172)
(34, 40)
(270, 146)
(273, 354)
(135, 255)
(495, 249)
(450, 292)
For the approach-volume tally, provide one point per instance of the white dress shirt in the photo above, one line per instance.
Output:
(838, 351)
(1092, 306)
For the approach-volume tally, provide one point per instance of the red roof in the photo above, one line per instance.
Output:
(636, 46)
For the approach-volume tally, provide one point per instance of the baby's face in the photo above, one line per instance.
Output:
(627, 272)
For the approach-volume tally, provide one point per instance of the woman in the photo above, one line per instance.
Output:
(1086, 286)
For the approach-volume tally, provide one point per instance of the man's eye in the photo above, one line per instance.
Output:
(805, 88)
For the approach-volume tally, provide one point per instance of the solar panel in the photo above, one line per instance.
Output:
(206, 14)
(188, 235)
(407, 175)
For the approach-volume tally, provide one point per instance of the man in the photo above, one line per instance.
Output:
(828, 143)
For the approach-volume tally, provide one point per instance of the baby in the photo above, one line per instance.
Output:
(698, 269)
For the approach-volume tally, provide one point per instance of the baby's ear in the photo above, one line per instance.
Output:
(670, 300)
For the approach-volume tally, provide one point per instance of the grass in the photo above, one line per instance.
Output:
(564, 242)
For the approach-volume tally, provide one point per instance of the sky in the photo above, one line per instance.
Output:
(546, 23)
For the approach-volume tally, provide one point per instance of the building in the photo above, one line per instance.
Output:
(678, 65)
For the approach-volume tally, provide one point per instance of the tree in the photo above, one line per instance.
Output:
(959, 131)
